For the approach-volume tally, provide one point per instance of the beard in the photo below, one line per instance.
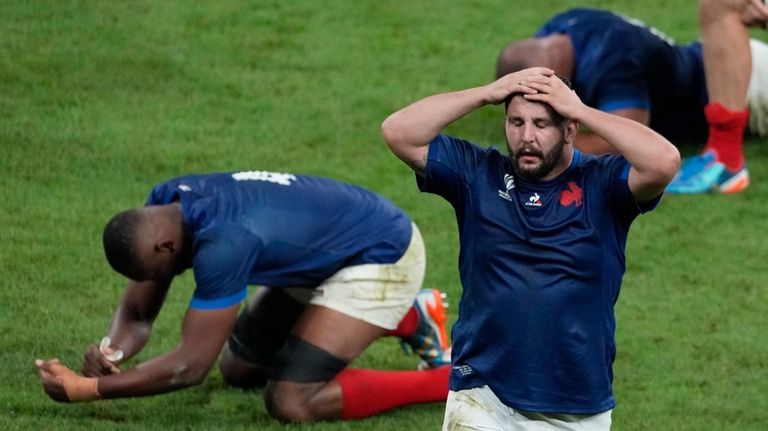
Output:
(549, 161)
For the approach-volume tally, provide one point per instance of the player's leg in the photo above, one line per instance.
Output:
(304, 387)
(727, 57)
(261, 330)
(727, 65)
(352, 309)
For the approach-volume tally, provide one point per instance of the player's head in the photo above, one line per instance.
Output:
(142, 244)
(538, 137)
(553, 51)
(519, 55)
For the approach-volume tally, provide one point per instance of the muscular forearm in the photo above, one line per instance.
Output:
(654, 159)
(420, 122)
(166, 373)
(592, 143)
(204, 332)
(129, 333)
(643, 148)
(133, 319)
(409, 131)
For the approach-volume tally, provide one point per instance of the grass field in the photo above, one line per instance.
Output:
(101, 100)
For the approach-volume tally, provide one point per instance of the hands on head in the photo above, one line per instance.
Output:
(515, 82)
(539, 84)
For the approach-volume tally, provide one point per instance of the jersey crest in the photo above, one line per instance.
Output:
(573, 195)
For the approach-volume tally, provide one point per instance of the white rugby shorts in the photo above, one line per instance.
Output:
(757, 94)
(379, 294)
(479, 409)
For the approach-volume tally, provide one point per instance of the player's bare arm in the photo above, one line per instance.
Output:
(654, 160)
(130, 328)
(409, 131)
(591, 143)
(203, 335)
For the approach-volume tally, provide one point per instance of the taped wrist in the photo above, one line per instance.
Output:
(302, 362)
(81, 388)
(77, 388)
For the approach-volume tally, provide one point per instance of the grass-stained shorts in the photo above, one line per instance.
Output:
(379, 294)
(480, 409)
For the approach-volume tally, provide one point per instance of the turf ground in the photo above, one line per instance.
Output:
(101, 100)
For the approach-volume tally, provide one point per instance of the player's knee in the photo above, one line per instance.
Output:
(301, 370)
(240, 373)
(288, 404)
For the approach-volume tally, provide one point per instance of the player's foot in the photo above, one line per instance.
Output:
(704, 174)
(430, 340)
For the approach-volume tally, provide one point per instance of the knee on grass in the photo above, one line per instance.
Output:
(298, 390)
(240, 373)
(295, 402)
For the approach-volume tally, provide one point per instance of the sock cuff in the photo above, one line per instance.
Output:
(720, 116)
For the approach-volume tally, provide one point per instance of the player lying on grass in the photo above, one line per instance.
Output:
(619, 65)
(343, 267)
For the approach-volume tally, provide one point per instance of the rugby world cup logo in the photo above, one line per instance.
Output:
(509, 182)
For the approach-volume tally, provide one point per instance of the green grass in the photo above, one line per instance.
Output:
(101, 100)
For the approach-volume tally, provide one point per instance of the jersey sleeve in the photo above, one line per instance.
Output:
(615, 171)
(451, 164)
(222, 263)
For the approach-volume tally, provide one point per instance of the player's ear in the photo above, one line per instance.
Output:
(571, 130)
(165, 246)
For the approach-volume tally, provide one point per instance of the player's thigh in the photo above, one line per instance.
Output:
(351, 309)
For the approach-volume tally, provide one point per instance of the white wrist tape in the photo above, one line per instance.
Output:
(104, 348)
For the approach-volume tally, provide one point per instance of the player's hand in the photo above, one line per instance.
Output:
(513, 83)
(63, 385)
(755, 13)
(96, 364)
(553, 91)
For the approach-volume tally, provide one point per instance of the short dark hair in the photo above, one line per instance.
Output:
(120, 238)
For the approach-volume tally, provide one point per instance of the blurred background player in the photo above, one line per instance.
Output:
(621, 66)
(729, 63)
(359, 259)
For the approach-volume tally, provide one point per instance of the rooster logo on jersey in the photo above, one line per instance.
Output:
(572, 195)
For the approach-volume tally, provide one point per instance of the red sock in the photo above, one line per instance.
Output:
(407, 325)
(368, 392)
(726, 134)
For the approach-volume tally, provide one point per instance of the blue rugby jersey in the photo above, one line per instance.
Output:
(541, 265)
(621, 63)
(279, 230)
